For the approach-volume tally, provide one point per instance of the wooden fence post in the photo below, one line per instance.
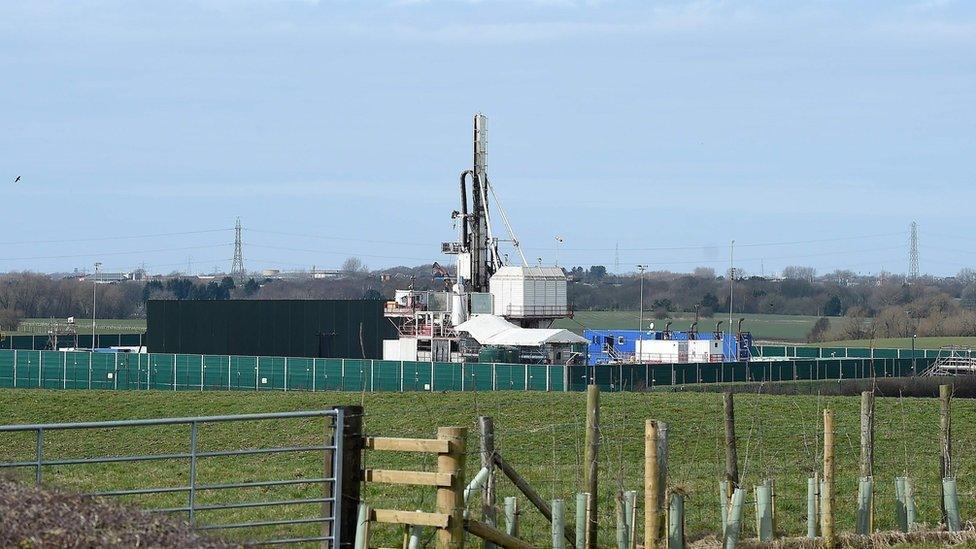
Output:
(827, 497)
(352, 455)
(651, 481)
(591, 464)
(945, 442)
(488, 511)
(450, 499)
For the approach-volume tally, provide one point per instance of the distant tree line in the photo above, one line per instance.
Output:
(872, 306)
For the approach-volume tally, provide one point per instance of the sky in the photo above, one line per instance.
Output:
(654, 133)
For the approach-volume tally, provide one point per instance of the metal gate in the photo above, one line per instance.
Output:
(337, 474)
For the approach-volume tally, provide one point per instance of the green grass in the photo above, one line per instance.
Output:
(904, 342)
(763, 327)
(30, 326)
(540, 434)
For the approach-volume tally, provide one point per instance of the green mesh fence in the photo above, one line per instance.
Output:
(174, 372)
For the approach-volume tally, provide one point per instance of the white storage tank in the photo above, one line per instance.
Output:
(529, 292)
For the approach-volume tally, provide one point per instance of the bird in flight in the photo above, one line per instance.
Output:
(17, 180)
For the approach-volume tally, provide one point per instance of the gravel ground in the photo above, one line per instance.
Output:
(31, 517)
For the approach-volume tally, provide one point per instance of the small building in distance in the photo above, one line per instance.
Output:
(327, 328)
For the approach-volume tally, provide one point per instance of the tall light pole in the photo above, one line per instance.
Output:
(640, 315)
(559, 241)
(731, 280)
(94, 295)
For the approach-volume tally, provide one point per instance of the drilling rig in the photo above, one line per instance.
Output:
(484, 282)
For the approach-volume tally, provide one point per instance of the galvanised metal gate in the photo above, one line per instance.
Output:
(335, 513)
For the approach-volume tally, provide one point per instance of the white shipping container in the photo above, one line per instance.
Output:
(705, 350)
(661, 350)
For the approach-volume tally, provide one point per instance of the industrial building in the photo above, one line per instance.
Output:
(331, 328)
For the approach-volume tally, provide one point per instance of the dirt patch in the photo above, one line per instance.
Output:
(32, 517)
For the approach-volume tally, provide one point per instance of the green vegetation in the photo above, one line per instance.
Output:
(540, 434)
(904, 342)
(763, 327)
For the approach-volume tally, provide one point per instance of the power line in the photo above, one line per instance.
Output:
(116, 237)
(336, 252)
(746, 245)
(345, 239)
(101, 254)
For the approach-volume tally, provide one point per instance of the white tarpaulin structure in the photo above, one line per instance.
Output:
(495, 330)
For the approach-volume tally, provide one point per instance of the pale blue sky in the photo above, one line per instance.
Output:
(652, 125)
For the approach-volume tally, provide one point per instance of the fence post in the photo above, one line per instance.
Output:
(174, 372)
(945, 442)
(827, 497)
(450, 499)
(349, 446)
(591, 463)
(487, 429)
(64, 370)
(285, 383)
(651, 488)
(15, 370)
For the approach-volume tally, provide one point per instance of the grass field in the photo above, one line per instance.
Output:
(540, 434)
(763, 327)
(904, 342)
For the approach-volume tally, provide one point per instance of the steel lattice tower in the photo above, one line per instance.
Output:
(913, 253)
(237, 266)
